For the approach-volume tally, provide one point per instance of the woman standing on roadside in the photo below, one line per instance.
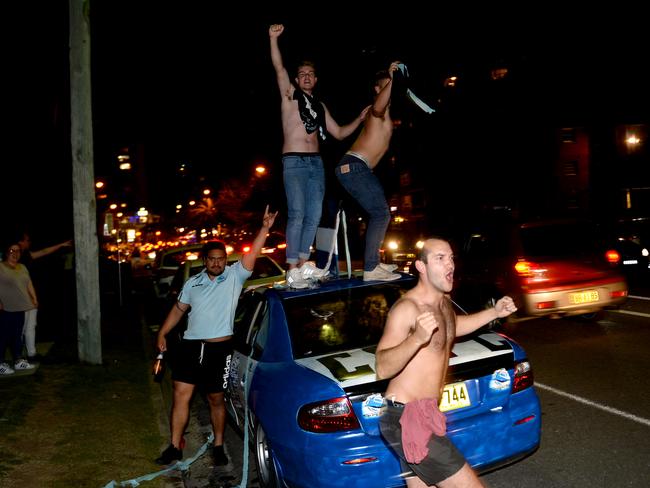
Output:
(16, 296)
(27, 257)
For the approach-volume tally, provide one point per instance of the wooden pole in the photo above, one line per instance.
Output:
(83, 186)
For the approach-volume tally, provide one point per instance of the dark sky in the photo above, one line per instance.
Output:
(192, 83)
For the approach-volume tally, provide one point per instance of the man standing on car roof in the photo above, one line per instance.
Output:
(414, 352)
(305, 122)
(355, 173)
(203, 357)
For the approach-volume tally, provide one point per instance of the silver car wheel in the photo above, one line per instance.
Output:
(264, 460)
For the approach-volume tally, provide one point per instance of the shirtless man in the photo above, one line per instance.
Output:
(304, 121)
(354, 172)
(414, 352)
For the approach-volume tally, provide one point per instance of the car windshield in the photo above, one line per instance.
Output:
(339, 320)
(559, 239)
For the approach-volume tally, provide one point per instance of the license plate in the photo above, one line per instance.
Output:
(454, 396)
(583, 297)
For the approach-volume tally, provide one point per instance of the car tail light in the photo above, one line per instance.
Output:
(528, 268)
(612, 256)
(532, 272)
(246, 249)
(328, 416)
(545, 305)
(618, 294)
(523, 376)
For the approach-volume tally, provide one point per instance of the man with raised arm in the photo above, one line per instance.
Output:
(305, 120)
(203, 357)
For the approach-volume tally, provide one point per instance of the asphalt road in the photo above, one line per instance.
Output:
(592, 381)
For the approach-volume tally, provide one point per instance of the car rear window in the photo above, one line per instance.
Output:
(560, 239)
(343, 319)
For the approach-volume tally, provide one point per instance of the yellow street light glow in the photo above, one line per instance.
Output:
(192, 202)
(179, 206)
(206, 191)
(125, 166)
(113, 206)
(99, 184)
(260, 169)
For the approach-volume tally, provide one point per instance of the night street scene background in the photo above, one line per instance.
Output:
(541, 117)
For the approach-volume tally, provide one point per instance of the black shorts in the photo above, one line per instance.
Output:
(204, 364)
(443, 459)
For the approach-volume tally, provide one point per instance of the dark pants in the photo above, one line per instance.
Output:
(11, 333)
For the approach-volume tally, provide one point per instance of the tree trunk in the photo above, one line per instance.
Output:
(83, 186)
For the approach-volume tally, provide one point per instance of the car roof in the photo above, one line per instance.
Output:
(339, 284)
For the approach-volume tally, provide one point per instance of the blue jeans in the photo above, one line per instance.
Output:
(364, 186)
(304, 185)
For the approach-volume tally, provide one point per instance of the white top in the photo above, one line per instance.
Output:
(213, 302)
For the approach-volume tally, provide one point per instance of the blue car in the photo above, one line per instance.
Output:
(303, 371)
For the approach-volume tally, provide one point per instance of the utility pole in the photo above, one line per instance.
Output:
(89, 341)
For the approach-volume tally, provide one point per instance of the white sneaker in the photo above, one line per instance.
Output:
(388, 267)
(295, 279)
(6, 369)
(23, 364)
(380, 274)
(311, 272)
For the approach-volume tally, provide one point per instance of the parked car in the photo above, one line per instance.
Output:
(401, 245)
(302, 380)
(275, 246)
(629, 247)
(265, 272)
(167, 262)
(550, 267)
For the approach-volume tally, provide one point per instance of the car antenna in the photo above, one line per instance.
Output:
(461, 308)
